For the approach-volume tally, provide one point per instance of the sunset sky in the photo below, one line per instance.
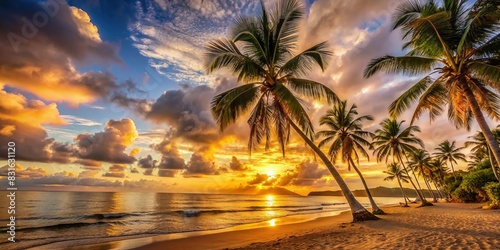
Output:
(104, 90)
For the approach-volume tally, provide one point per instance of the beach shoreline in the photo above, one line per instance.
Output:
(445, 225)
(136, 241)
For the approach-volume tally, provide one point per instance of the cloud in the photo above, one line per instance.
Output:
(201, 163)
(21, 172)
(236, 165)
(171, 161)
(40, 55)
(187, 111)
(148, 164)
(74, 120)
(109, 145)
(116, 170)
(258, 179)
(17, 108)
(160, 33)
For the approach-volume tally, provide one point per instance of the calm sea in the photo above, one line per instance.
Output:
(46, 217)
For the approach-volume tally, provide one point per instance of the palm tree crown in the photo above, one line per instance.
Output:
(261, 52)
(448, 152)
(456, 44)
(393, 171)
(392, 140)
(345, 133)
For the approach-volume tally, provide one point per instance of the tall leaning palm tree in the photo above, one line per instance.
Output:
(394, 171)
(448, 152)
(391, 140)
(261, 52)
(347, 139)
(456, 44)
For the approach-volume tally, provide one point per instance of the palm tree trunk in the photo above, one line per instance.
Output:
(481, 121)
(441, 195)
(402, 191)
(420, 195)
(492, 163)
(359, 213)
(434, 198)
(453, 170)
(375, 208)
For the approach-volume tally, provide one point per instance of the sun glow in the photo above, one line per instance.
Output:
(272, 222)
(270, 174)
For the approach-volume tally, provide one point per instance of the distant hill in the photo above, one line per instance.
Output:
(378, 191)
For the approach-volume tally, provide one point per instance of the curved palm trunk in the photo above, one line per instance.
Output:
(481, 121)
(420, 195)
(441, 195)
(434, 198)
(453, 170)
(375, 208)
(359, 213)
(402, 192)
(493, 165)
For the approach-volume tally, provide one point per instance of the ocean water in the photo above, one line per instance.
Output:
(47, 217)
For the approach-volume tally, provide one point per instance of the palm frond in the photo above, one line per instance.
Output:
(312, 89)
(224, 53)
(303, 63)
(228, 106)
(293, 107)
(408, 65)
(404, 101)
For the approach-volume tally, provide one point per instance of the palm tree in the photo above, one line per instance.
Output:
(480, 146)
(260, 51)
(456, 44)
(420, 163)
(347, 138)
(392, 140)
(394, 171)
(448, 152)
(438, 172)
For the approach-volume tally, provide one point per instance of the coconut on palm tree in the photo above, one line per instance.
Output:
(261, 52)
(456, 44)
(394, 171)
(448, 152)
(347, 139)
(391, 140)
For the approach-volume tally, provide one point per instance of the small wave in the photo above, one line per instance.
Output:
(332, 204)
(64, 226)
(307, 209)
(274, 207)
(109, 216)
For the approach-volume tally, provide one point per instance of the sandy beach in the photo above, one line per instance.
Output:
(443, 226)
